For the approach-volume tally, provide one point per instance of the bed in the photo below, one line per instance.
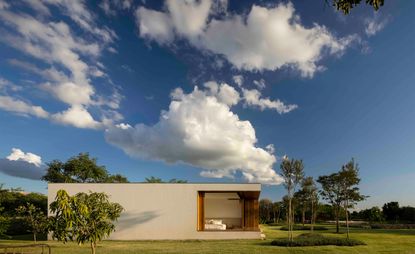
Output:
(214, 224)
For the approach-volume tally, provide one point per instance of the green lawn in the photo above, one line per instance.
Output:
(378, 241)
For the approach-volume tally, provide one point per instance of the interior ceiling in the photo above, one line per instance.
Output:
(227, 195)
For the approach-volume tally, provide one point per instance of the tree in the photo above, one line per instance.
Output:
(373, 214)
(174, 180)
(80, 169)
(153, 179)
(350, 193)
(302, 199)
(83, 217)
(4, 223)
(391, 211)
(292, 173)
(35, 219)
(310, 197)
(277, 207)
(331, 191)
(347, 5)
(265, 210)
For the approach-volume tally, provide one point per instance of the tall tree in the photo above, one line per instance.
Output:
(35, 219)
(331, 191)
(391, 211)
(277, 208)
(347, 5)
(83, 217)
(349, 181)
(4, 223)
(307, 197)
(265, 210)
(292, 173)
(302, 201)
(80, 169)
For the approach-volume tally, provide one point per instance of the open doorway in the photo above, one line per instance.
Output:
(228, 211)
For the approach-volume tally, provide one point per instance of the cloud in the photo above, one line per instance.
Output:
(253, 98)
(23, 165)
(79, 13)
(8, 85)
(200, 129)
(260, 83)
(238, 79)
(267, 38)
(110, 7)
(374, 25)
(76, 116)
(187, 19)
(71, 93)
(154, 25)
(17, 106)
(66, 69)
(18, 154)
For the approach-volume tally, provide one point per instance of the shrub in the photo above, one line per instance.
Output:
(314, 239)
(306, 227)
(392, 226)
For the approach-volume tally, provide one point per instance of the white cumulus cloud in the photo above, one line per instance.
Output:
(76, 116)
(200, 129)
(267, 38)
(18, 154)
(23, 165)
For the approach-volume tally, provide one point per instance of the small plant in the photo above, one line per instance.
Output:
(34, 217)
(83, 217)
(306, 227)
(314, 239)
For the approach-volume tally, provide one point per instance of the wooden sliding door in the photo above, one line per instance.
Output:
(201, 211)
(251, 214)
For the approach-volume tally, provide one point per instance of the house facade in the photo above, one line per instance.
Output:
(176, 211)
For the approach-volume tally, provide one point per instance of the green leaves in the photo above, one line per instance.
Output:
(347, 5)
(83, 217)
(34, 217)
(80, 169)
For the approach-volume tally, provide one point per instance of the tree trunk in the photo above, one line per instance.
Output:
(303, 216)
(289, 220)
(34, 237)
(93, 248)
(312, 216)
(347, 219)
(337, 219)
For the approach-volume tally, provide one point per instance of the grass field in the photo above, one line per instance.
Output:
(378, 241)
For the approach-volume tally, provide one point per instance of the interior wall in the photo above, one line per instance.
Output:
(222, 208)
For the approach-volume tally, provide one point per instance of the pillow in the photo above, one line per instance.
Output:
(216, 222)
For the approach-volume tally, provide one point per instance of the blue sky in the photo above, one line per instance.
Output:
(117, 79)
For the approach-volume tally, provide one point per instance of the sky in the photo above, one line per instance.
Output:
(209, 91)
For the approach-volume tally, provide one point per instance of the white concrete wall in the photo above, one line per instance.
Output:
(159, 211)
(222, 208)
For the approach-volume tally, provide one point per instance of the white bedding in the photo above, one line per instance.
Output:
(215, 226)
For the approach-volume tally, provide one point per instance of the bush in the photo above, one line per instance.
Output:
(275, 224)
(306, 227)
(18, 226)
(313, 239)
(392, 226)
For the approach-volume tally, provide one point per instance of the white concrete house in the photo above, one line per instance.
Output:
(178, 211)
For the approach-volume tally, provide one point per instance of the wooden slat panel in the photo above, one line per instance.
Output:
(200, 211)
(251, 214)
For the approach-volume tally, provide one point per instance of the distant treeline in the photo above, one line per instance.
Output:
(276, 212)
